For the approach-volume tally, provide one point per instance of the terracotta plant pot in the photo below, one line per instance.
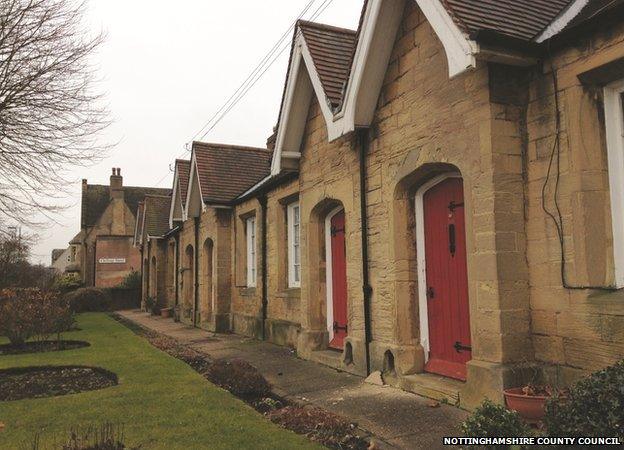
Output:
(530, 407)
(166, 312)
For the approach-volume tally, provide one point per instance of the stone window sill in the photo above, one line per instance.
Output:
(294, 293)
(247, 291)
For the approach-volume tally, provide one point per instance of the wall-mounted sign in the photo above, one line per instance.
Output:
(112, 260)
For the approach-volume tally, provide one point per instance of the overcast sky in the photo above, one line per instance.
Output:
(167, 67)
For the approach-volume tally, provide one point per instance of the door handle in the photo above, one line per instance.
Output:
(430, 292)
(452, 242)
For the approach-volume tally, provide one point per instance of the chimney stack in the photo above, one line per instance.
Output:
(116, 184)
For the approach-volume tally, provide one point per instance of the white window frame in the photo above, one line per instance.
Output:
(294, 244)
(251, 238)
(614, 123)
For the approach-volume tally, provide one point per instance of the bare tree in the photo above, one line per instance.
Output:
(50, 115)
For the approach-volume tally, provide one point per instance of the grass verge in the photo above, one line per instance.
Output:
(161, 401)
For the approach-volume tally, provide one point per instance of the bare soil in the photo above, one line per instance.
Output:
(315, 423)
(51, 381)
(41, 346)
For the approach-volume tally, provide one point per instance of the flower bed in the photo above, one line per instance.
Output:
(41, 346)
(51, 381)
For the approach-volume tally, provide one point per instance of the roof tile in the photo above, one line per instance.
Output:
(226, 171)
(156, 214)
(183, 167)
(521, 19)
(332, 50)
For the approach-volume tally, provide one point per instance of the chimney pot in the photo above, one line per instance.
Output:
(116, 184)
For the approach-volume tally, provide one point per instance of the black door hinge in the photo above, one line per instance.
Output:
(453, 206)
(339, 328)
(459, 347)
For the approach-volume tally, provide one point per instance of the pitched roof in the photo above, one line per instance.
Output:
(332, 51)
(138, 228)
(96, 198)
(592, 9)
(183, 166)
(156, 212)
(521, 19)
(226, 171)
(56, 253)
(78, 238)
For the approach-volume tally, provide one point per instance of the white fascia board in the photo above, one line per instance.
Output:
(328, 113)
(302, 82)
(460, 50)
(380, 22)
(562, 21)
(174, 197)
(193, 178)
(256, 186)
(143, 223)
(287, 103)
(370, 62)
(136, 228)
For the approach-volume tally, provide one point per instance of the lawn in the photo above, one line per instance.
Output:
(162, 402)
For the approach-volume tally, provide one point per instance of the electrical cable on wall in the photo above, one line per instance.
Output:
(557, 216)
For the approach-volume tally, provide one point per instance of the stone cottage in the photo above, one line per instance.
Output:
(442, 200)
(106, 254)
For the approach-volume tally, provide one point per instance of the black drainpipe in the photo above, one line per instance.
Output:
(143, 279)
(196, 270)
(363, 144)
(265, 301)
(177, 268)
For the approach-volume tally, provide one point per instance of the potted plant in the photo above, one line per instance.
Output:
(149, 304)
(529, 400)
(166, 312)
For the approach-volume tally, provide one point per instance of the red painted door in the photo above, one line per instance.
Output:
(339, 280)
(447, 281)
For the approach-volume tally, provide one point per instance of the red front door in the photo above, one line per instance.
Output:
(339, 280)
(447, 281)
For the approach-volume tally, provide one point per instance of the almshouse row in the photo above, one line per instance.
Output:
(442, 199)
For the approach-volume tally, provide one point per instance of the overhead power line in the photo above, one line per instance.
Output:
(254, 76)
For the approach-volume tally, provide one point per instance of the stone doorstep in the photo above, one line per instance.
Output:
(432, 386)
(333, 359)
(425, 384)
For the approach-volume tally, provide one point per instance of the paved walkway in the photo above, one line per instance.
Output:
(396, 418)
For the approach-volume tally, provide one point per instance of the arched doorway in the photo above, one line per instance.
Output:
(188, 279)
(442, 276)
(207, 302)
(335, 248)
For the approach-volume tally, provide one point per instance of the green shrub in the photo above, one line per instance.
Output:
(493, 420)
(17, 315)
(27, 313)
(131, 281)
(151, 305)
(67, 282)
(239, 377)
(594, 406)
(88, 299)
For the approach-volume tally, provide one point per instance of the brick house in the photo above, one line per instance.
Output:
(106, 254)
(442, 200)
